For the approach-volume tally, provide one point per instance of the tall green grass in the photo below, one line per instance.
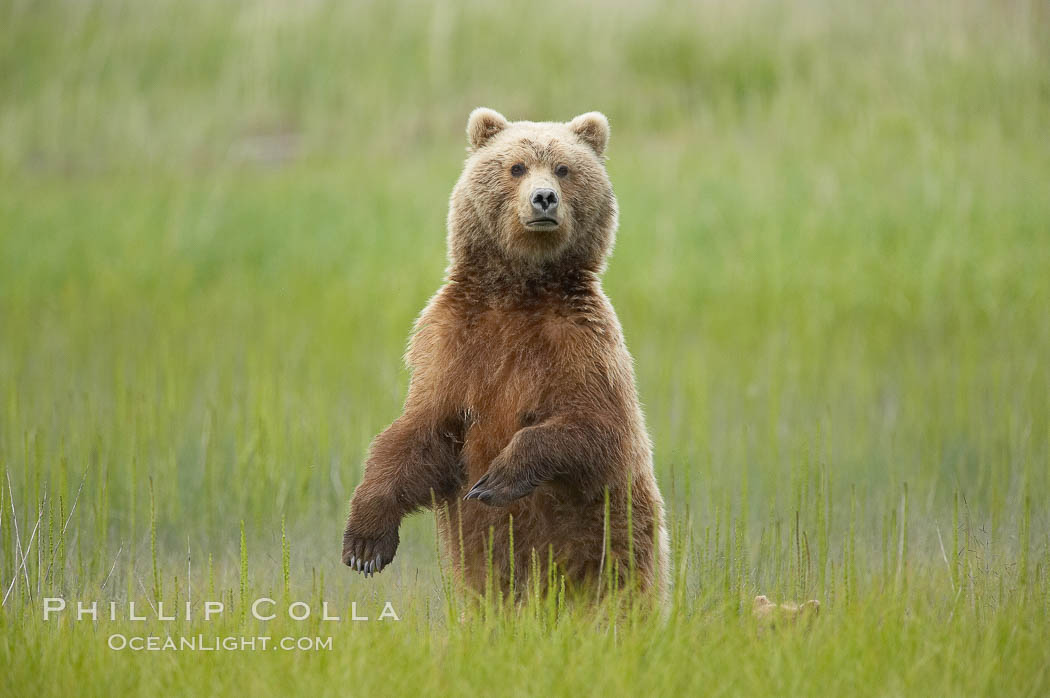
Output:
(218, 221)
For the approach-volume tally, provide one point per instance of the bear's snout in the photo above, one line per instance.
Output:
(544, 202)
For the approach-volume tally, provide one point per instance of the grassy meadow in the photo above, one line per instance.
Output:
(219, 220)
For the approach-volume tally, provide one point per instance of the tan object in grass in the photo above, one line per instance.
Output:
(772, 613)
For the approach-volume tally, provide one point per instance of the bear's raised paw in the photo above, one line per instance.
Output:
(369, 555)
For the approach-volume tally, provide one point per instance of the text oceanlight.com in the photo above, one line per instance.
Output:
(228, 643)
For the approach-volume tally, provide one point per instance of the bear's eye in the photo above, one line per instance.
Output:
(517, 169)
(561, 170)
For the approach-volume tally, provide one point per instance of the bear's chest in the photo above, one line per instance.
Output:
(510, 357)
(502, 368)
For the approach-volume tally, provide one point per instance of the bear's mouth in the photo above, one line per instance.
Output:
(541, 224)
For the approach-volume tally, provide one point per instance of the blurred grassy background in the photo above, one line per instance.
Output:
(218, 221)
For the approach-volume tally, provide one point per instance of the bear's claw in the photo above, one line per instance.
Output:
(369, 555)
(478, 488)
(498, 488)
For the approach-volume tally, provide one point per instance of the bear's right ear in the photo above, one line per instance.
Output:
(482, 125)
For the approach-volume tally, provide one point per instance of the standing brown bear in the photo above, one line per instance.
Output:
(522, 400)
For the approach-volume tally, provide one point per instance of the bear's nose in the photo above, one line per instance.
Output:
(545, 202)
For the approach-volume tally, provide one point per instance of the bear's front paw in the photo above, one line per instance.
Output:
(368, 554)
(500, 486)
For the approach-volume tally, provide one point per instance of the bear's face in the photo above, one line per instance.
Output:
(533, 192)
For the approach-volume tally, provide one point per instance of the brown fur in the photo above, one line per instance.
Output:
(521, 383)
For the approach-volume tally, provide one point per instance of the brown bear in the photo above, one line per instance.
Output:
(522, 399)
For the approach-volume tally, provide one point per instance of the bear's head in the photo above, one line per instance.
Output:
(533, 197)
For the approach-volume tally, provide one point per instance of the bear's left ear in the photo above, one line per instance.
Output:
(483, 124)
(593, 129)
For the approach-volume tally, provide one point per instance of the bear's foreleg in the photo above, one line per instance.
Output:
(579, 451)
(415, 460)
